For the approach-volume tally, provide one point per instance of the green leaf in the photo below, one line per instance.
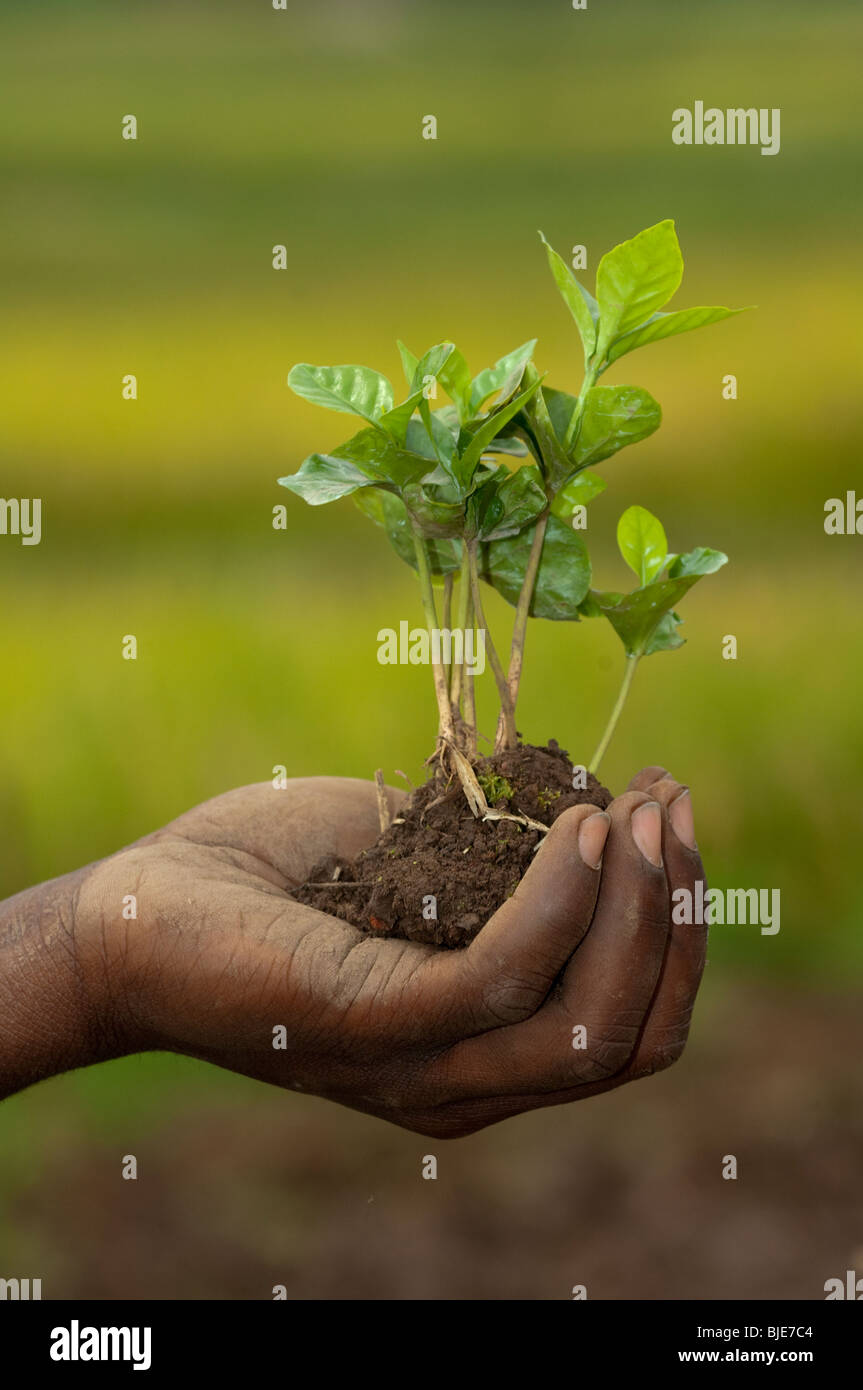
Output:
(637, 618)
(557, 466)
(645, 620)
(641, 538)
(578, 492)
(396, 421)
(321, 478)
(665, 637)
(426, 371)
(388, 510)
(418, 440)
(430, 365)
(507, 502)
(377, 455)
(563, 578)
(667, 326)
(354, 390)
(614, 416)
(409, 362)
(454, 377)
(443, 437)
(509, 445)
(578, 300)
(435, 513)
(700, 561)
(488, 431)
(634, 280)
(503, 377)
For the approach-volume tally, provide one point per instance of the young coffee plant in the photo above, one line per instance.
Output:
(436, 480)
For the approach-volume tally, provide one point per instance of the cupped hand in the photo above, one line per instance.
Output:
(578, 983)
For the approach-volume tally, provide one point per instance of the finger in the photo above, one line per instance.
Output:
(667, 1024)
(509, 968)
(590, 1027)
(643, 780)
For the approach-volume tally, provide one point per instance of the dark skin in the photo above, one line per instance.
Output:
(440, 1042)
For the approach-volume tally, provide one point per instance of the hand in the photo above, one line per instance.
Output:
(441, 1042)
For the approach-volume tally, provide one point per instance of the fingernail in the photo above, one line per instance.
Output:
(647, 832)
(592, 835)
(682, 819)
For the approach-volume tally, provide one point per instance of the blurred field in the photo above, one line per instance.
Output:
(258, 647)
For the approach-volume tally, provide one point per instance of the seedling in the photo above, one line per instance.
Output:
(436, 481)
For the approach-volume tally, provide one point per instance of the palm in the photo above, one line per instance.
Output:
(221, 963)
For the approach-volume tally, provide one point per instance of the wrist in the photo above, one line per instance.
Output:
(55, 1007)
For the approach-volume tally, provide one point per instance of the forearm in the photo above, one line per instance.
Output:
(52, 1014)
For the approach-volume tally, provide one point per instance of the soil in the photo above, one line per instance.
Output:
(438, 873)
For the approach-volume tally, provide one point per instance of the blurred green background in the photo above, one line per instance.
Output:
(257, 647)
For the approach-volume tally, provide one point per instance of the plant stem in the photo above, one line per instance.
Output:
(519, 628)
(575, 422)
(506, 709)
(469, 692)
(631, 665)
(456, 684)
(445, 724)
(522, 612)
(447, 616)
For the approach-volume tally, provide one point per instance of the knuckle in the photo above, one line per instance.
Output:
(512, 1000)
(662, 1056)
(609, 1056)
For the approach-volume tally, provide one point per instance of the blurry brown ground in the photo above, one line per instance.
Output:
(622, 1193)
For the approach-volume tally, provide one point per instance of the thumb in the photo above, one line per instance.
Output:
(524, 946)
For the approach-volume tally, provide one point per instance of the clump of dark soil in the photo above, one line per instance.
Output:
(438, 873)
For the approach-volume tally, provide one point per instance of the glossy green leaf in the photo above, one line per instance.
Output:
(578, 492)
(507, 502)
(418, 440)
(646, 620)
(430, 365)
(563, 578)
(642, 542)
(487, 431)
(454, 377)
(635, 617)
(435, 513)
(634, 280)
(578, 300)
(444, 438)
(502, 378)
(668, 326)
(700, 561)
(379, 456)
(321, 478)
(613, 417)
(389, 511)
(354, 390)
(666, 637)
(556, 464)
(506, 444)
(409, 362)
(396, 421)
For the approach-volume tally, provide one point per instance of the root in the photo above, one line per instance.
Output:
(383, 808)
(476, 798)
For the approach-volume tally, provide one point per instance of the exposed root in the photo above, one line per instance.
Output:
(476, 798)
(519, 820)
(383, 807)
